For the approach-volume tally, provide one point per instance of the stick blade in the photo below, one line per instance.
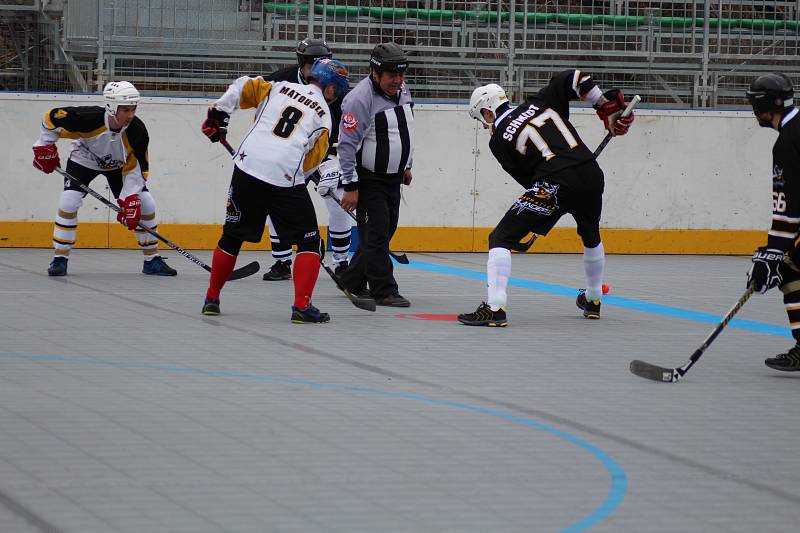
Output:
(401, 258)
(367, 304)
(646, 370)
(245, 271)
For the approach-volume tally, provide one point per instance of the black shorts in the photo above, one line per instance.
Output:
(250, 200)
(576, 190)
(86, 175)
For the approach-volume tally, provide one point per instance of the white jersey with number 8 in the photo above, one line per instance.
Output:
(289, 136)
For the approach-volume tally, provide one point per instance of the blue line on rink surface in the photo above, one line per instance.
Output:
(619, 482)
(618, 301)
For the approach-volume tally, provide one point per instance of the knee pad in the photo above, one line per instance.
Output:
(597, 253)
(590, 236)
(496, 241)
(591, 240)
(309, 246)
(230, 245)
(148, 202)
(70, 201)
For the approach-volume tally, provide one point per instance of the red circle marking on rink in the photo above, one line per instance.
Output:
(425, 316)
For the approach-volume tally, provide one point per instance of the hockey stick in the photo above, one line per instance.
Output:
(368, 304)
(628, 110)
(671, 375)
(239, 273)
(401, 258)
(525, 246)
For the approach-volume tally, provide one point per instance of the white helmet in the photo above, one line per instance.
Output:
(117, 93)
(489, 97)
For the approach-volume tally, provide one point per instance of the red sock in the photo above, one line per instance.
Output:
(304, 274)
(221, 267)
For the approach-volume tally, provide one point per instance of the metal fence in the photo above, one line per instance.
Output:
(694, 53)
(32, 56)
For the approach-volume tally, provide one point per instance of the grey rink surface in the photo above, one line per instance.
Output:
(123, 409)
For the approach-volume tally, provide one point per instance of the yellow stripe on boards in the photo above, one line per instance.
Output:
(23, 234)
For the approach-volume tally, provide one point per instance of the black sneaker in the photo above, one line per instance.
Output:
(591, 308)
(309, 315)
(393, 300)
(280, 271)
(484, 316)
(788, 362)
(158, 267)
(58, 267)
(340, 268)
(211, 307)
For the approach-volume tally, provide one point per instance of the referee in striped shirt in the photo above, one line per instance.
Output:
(376, 147)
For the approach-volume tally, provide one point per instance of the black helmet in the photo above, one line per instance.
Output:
(388, 57)
(309, 50)
(770, 92)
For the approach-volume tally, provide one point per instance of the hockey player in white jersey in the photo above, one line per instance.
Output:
(287, 141)
(108, 140)
(339, 221)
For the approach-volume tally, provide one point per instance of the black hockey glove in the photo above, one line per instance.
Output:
(215, 126)
(765, 273)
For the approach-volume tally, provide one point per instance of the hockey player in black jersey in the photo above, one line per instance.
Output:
(339, 222)
(778, 263)
(538, 146)
(108, 140)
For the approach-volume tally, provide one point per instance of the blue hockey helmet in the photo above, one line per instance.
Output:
(330, 72)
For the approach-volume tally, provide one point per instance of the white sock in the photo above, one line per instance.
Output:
(594, 262)
(498, 270)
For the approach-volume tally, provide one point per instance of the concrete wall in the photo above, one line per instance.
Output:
(676, 170)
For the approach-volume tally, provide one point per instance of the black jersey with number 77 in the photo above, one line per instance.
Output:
(536, 139)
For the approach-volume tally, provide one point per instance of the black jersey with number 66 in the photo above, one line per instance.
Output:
(786, 184)
(536, 139)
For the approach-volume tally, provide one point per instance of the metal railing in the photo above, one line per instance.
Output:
(698, 53)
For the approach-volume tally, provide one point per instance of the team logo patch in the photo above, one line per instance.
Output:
(231, 213)
(777, 176)
(541, 198)
(60, 114)
(349, 121)
(108, 162)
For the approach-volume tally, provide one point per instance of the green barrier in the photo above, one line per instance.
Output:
(580, 19)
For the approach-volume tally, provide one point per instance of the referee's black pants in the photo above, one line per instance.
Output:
(377, 214)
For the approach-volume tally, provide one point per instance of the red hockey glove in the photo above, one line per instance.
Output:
(131, 212)
(45, 158)
(215, 126)
(610, 113)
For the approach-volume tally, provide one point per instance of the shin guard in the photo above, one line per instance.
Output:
(594, 262)
(498, 270)
(221, 267)
(304, 274)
